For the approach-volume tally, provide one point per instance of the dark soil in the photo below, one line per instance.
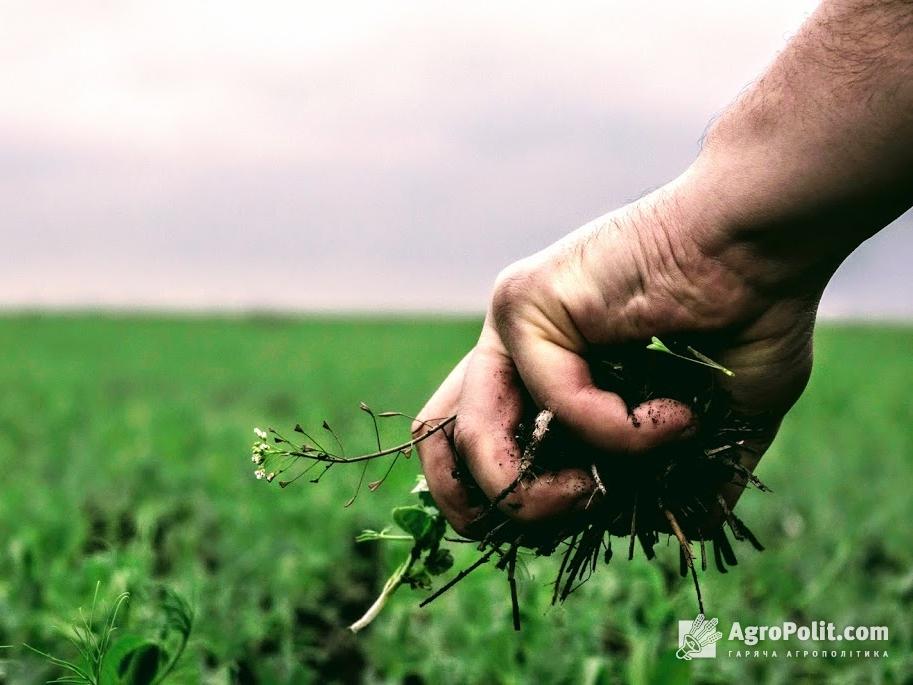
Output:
(674, 490)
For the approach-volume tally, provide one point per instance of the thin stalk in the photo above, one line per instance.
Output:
(658, 345)
(381, 453)
(392, 584)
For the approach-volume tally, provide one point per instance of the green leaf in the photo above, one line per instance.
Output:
(367, 534)
(141, 666)
(419, 578)
(658, 345)
(415, 520)
(117, 659)
(696, 357)
(438, 561)
(436, 534)
(178, 612)
(179, 615)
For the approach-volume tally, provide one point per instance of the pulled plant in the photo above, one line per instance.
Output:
(674, 490)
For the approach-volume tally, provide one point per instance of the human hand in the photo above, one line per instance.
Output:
(663, 265)
(808, 162)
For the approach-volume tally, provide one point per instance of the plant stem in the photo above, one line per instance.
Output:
(707, 361)
(393, 582)
(385, 536)
(374, 455)
(658, 345)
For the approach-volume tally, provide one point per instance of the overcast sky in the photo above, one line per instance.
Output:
(382, 155)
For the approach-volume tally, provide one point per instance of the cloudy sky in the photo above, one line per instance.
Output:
(393, 155)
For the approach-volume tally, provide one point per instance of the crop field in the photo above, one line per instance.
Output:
(125, 449)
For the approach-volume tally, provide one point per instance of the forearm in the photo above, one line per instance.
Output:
(817, 155)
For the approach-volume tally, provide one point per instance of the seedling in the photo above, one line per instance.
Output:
(658, 345)
(424, 527)
(110, 658)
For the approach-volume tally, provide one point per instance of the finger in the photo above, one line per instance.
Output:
(559, 379)
(490, 408)
(459, 505)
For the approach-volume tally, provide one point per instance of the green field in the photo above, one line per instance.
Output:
(124, 443)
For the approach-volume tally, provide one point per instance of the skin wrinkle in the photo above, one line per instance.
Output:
(572, 288)
(576, 340)
(544, 328)
(604, 238)
(672, 282)
(658, 219)
(671, 277)
(540, 325)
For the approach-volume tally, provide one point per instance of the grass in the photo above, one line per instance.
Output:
(125, 447)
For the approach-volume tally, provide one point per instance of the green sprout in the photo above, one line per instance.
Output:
(424, 525)
(92, 644)
(658, 345)
(129, 659)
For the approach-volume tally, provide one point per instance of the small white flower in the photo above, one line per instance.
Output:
(264, 446)
(260, 474)
(260, 433)
(257, 458)
(269, 478)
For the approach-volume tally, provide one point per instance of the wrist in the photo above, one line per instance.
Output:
(764, 221)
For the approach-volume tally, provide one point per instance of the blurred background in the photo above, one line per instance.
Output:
(357, 156)
(200, 203)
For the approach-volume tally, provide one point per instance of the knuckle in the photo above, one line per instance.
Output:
(512, 287)
(464, 436)
(433, 448)
(520, 509)
(418, 424)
